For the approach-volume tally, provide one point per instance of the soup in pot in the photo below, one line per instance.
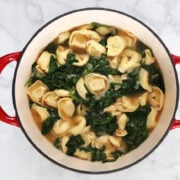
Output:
(96, 92)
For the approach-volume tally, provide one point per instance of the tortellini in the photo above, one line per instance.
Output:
(61, 54)
(36, 91)
(152, 119)
(61, 127)
(156, 98)
(79, 125)
(127, 104)
(39, 112)
(95, 49)
(80, 86)
(78, 39)
(144, 80)
(82, 59)
(44, 60)
(83, 154)
(122, 120)
(97, 84)
(66, 108)
(130, 38)
(115, 45)
(50, 99)
(149, 59)
(92, 87)
(130, 60)
(64, 36)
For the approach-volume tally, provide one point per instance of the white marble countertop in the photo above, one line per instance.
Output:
(19, 20)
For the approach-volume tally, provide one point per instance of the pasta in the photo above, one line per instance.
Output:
(61, 54)
(144, 80)
(130, 60)
(43, 61)
(39, 112)
(96, 92)
(50, 99)
(36, 91)
(66, 108)
(115, 45)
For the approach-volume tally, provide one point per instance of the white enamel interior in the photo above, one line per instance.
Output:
(47, 34)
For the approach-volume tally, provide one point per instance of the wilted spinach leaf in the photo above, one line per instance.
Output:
(74, 143)
(155, 76)
(51, 47)
(48, 124)
(136, 127)
(53, 66)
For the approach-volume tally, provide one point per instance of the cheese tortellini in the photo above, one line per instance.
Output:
(96, 92)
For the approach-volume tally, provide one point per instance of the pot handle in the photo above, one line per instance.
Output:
(175, 123)
(5, 60)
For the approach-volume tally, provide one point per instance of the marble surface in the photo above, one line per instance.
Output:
(19, 20)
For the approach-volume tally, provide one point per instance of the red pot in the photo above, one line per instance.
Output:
(46, 34)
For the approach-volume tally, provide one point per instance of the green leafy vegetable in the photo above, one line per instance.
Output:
(136, 127)
(53, 66)
(74, 143)
(48, 123)
(57, 143)
(116, 154)
(101, 123)
(36, 75)
(141, 47)
(155, 76)
(51, 47)
(97, 154)
(63, 77)
(131, 85)
(96, 25)
(100, 65)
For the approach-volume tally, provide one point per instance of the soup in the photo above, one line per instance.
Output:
(96, 92)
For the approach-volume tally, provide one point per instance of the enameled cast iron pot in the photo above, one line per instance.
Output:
(45, 35)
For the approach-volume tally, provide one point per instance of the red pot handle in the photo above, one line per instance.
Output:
(175, 123)
(3, 62)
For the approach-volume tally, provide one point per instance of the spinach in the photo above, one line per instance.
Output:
(99, 119)
(141, 47)
(131, 85)
(105, 38)
(116, 154)
(74, 143)
(53, 66)
(76, 98)
(99, 65)
(63, 77)
(96, 25)
(97, 154)
(57, 143)
(136, 127)
(69, 68)
(48, 123)
(36, 75)
(53, 112)
(155, 76)
(101, 123)
(51, 47)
